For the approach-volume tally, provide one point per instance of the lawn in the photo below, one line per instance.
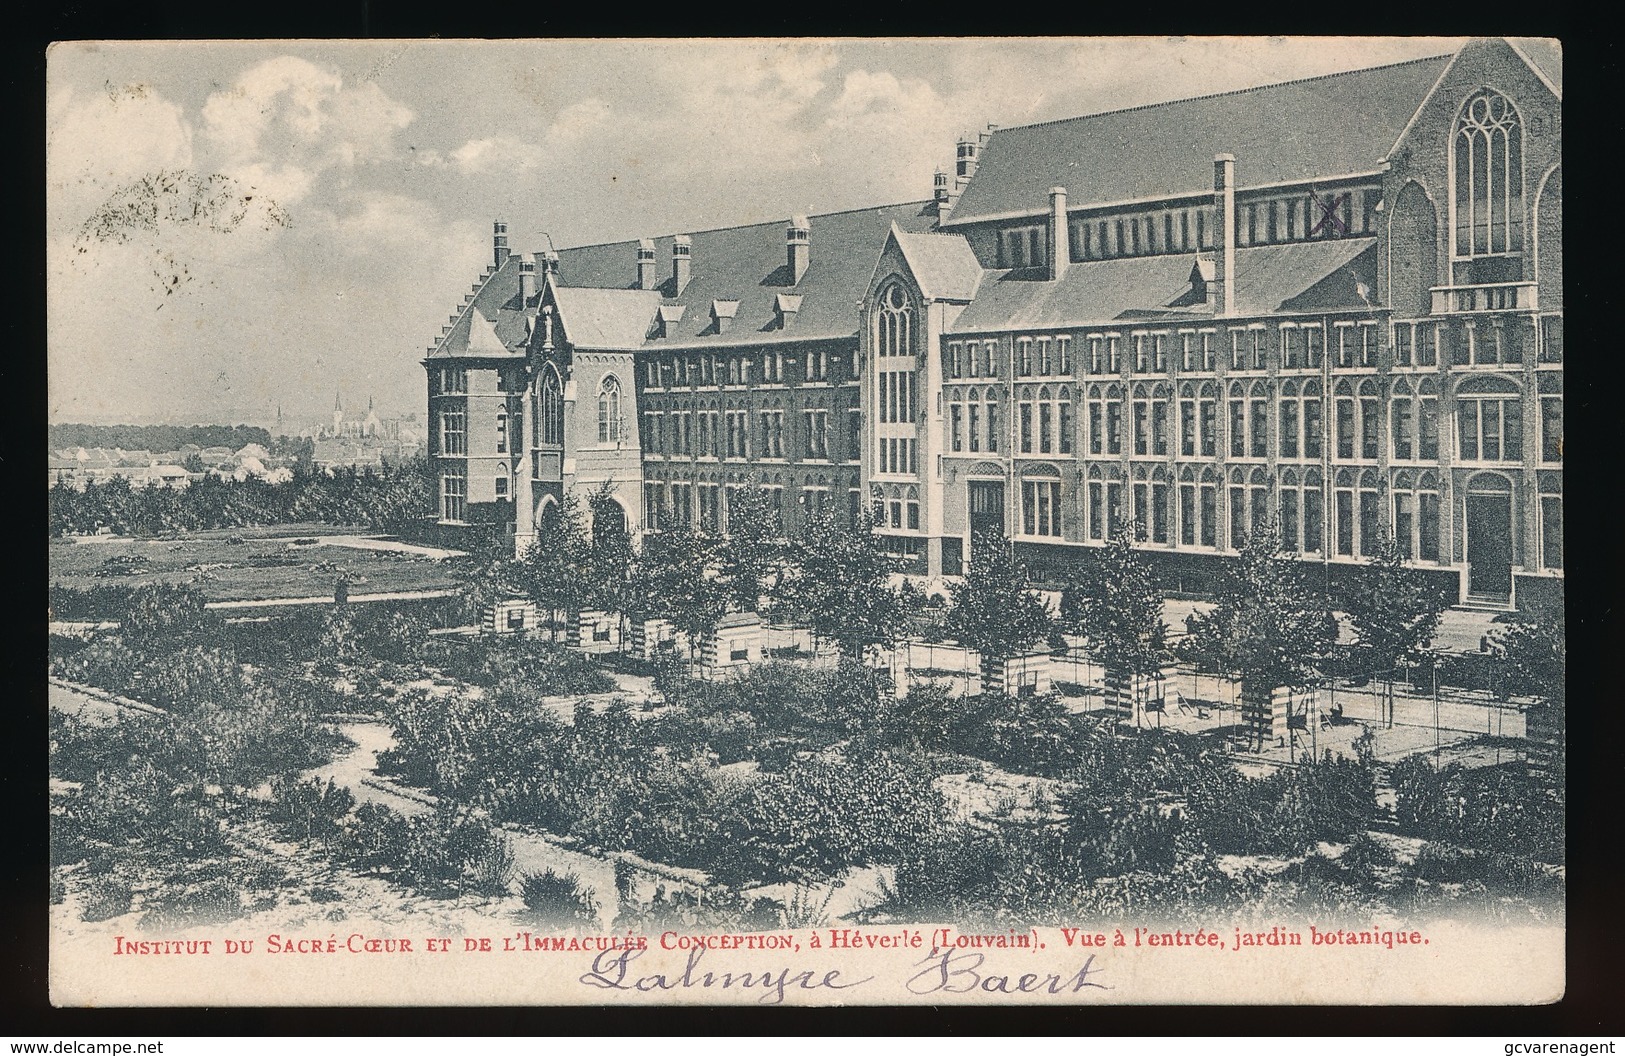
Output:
(242, 565)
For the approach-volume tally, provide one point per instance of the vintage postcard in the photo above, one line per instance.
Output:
(806, 522)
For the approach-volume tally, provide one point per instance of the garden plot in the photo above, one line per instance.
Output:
(246, 567)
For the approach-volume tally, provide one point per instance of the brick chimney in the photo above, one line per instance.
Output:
(499, 242)
(797, 247)
(646, 264)
(1222, 290)
(527, 280)
(1060, 235)
(682, 255)
(965, 160)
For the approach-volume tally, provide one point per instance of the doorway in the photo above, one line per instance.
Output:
(986, 501)
(1489, 544)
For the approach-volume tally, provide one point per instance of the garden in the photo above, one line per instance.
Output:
(513, 766)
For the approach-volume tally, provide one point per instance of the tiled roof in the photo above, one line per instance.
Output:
(943, 265)
(1334, 125)
(1545, 54)
(1267, 279)
(594, 318)
(748, 265)
(503, 328)
(1273, 278)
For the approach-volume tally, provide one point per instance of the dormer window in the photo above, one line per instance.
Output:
(722, 315)
(666, 320)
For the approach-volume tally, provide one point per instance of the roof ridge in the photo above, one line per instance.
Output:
(759, 223)
(1221, 95)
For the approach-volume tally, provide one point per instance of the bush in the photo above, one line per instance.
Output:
(106, 897)
(306, 810)
(557, 901)
(824, 815)
(212, 900)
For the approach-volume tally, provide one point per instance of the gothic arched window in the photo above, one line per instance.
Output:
(551, 429)
(609, 410)
(1487, 195)
(895, 324)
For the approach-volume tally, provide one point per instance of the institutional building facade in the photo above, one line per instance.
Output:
(1333, 303)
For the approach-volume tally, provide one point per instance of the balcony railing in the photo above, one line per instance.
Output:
(1487, 297)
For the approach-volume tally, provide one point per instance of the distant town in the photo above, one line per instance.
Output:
(353, 436)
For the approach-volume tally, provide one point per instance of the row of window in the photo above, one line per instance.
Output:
(1299, 515)
(453, 381)
(725, 369)
(744, 434)
(705, 505)
(1352, 344)
(1296, 216)
(1489, 427)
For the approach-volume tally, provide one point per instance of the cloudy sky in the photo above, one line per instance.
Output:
(241, 224)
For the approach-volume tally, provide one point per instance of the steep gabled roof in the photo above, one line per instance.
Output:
(748, 264)
(501, 329)
(1545, 57)
(606, 319)
(1306, 276)
(1335, 125)
(945, 266)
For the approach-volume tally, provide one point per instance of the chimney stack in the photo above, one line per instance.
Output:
(1222, 290)
(646, 264)
(547, 262)
(527, 280)
(682, 254)
(499, 242)
(797, 247)
(965, 162)
(1060, 235)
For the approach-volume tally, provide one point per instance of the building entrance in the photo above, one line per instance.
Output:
(1489, 544)
(986, 502)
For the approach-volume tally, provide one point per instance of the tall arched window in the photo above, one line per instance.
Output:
(1487, 152)
(551, 429)
(895, 323)
(609, 410)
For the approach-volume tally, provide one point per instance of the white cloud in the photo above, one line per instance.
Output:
(580, 120)
(100, 140)
(285, 122)
(497, 154)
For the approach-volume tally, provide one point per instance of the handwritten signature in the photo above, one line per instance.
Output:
(943, 972)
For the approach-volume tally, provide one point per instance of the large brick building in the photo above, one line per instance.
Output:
(1334, 302)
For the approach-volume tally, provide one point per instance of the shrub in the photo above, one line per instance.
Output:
(557, 900)
(825, 814)
(209, 901)
(106, 897)
(306, 810)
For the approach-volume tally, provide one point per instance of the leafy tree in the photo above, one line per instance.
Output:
(1269, 627)
(1532, 653)
(751, 551)
(993, 611)
(839, 584)
(554, 561)
(165, 617)
(608, 556)
(1393, 610)
(1116, 605)
(668, 581)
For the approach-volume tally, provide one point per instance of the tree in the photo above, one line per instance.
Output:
(669, 582)
(164, 617)
(839, 582)
(1532, 653)
(554, 560)
(751, 551)
(608, 554)
(993, 611)
(1115, 603)
(1393, 610)
(1269, 627)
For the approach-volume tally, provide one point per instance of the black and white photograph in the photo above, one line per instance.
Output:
(806, 522)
